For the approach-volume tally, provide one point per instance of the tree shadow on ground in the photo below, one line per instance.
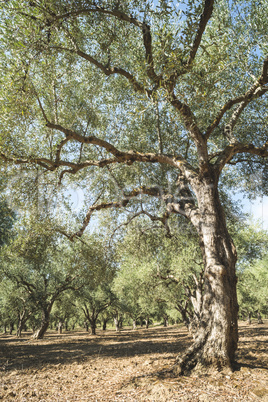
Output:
(252, 348)
(80, 347)
(17, 354)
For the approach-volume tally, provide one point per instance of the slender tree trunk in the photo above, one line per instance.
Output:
(21, 322)
(249, 318)
(116, 323)
(165, 321)
(134, 324)
(184, 314)
(93, 326)
(60, 326)
(147, 322)
(11, 327)
(104, 324)
(216, 333)
(19, 330)
(259, 318)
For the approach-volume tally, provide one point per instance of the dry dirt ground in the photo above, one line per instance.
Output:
(110, 366)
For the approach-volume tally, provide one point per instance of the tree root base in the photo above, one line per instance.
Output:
(195, 361)
(200, 370)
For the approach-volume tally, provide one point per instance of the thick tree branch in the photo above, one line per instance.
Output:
(221, 113)
(238, 148)
(59, 148)
(184, 203)
(264, 75)
(147, 41)
(114, 70)
(207, 12)
(121, 156)
(70, 134)
(115, 12)
(253, 93)
(106, 70)
(153, 191)
(67, 284)
(192, 127)
(45, 163)
(21, 281)
(256, 91)
(186, 207)
(127, 157)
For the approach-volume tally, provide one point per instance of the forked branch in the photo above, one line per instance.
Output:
(238, 148)
(147, 42)
(153, 191)
(256, 91)
(191, 126)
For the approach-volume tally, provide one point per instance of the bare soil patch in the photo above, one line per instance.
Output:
(110, 366)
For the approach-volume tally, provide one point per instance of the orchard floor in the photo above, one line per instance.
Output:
(110, 366)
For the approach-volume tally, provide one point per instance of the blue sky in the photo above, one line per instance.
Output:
(257, 208)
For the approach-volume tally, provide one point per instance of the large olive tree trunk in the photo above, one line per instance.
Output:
(40, 332)
(216, 331)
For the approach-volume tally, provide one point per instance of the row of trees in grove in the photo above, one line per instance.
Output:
(48, 280)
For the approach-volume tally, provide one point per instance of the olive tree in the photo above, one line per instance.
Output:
(152, 107)
(93, 302)
(42, 266)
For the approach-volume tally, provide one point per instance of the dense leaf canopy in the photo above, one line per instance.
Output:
(106, 84)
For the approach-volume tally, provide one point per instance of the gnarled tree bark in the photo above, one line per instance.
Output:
(40, 332)
(216, 332)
